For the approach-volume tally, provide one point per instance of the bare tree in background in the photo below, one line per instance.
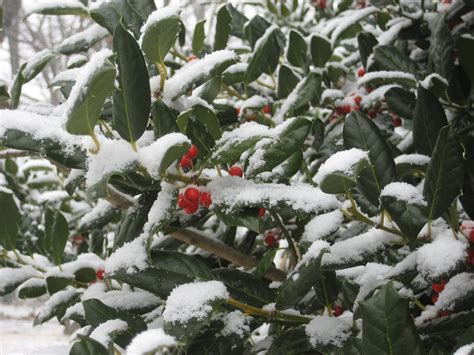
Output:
(11, 30)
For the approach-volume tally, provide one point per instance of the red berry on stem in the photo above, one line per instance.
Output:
(271, 240)
(193, 152)
(182, 201)
(372, 114)
(434, 298)
(397, 121)
(100, 274)
(471, 236)
(357, 99)
(205, 199)
(191, 208)
(267, 109)
(236, 171)
(361, 72)
(261, 212)
(337, 310)
(192, 194)
(185, 162)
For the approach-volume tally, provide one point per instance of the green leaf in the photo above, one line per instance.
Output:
(297, 53)
(287, 81)
(293, 341)
(392, 59)
(32, 290)
(55, 284)
(131, 102)
(82, 41)
(56, 233)
(238, 22)
(321, 50)
(255, 28)
(266, 55)
(367, 42)
(387, 325)
(198, 36)
(379, 78)
(180, 264)
(410, 218)
(224, 152)
(107, 14)
(466, 338)
(429, 119)
(4, 95)
(444, 176)
(223, 28)
(32, 69)
(17, 86)
(159, 37)
(361, 132)
(245, 287)
(265, 262)
(87, 106)
(247, 218)
(209, 91)
(337, 183)
(164, 120)
(465, 47)
(60, 10)
(401, 101)
(290, 139)
(96, 313)
(10, 219)
(441, 49)
(57, 304)
(87, 346)
(142, 7)
(298, 284)
(14, 277)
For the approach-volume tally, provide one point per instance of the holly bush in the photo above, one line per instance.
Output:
(296, 181)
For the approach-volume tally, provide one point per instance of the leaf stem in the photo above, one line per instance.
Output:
(287, 235)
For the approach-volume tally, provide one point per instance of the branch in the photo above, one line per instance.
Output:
(13, 153)
(225, 252)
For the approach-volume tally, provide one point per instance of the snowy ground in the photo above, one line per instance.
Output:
(18, 337)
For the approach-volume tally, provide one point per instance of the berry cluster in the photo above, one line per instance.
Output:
(437, 288)
(271, 239)
(187, 159)
(236, 171)
(337, 310)
(190, 200)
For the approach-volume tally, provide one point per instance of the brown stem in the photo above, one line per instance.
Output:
(225, 252)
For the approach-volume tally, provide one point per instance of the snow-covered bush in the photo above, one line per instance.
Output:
(296, 181)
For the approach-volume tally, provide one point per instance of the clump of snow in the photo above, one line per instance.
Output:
(75, 59)
(105, 330)
(85, 260)
(60, 297)
(404, 192)
(51, 5)
(465, 350)
(343, 162)
(236, 68)
(236, 192)
(391, 34)
(160, 211)
(193, 300)
(349, 20)
(10, 276)
(151, 156)
(235, 323)
(158, 15)
(412, 159)
(322, 225)
(150, 342)
(313, 252)
(384, 75)
(427, 82)
(256, 101)
(332, 95)
(100, 210)
(440, 256)
(131, 257)
(324, 330)
(90, 35)
(114, 155)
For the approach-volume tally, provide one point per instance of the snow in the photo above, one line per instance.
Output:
(427, 82)
(313, 252)
(440, 256)
(391, 34)
(322, 225)
(404, 192)
(332, 95)
(191, 72)
(55, 300)
(132, 257)
(104, 330)
(324, 330)
(51, 4)
(412, 159)
(458, 287)
(356, 248)
(235, 192)
(235, 323)
(158, 15)
(151, 156)
(114, 155)
(150, 341)
(465, 350)
(289, 103)
(75, 59)
(193, 300)
(39, 127)
(10, 276)
(236, 68)
(126, 300)
(97, 60)
(256, 101)
(160, 211)
(90, 35)
(85, 260)
(99, 211)
(383, 74)
(33, 282)
(67, 75)
(376, 95)
(349, 20)
(37, 164)
(342, 161)
(34, 60)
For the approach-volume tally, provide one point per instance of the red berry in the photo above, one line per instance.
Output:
(191, 208)
(337, 310)
(267, 109)
(372, 113)
(434, 298)
(439, 287)
(261, 212)
(205, 199)
(471, 236)
(185, 162)
(237, 111)
(100, 274)
(397, 121)
(361, 72)
(271, 240)
(236, 171)
(192, 194)
(182, 201)
(192, 57)
(342, 110)
(357, 99)
(470, 257)
(193, 152)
